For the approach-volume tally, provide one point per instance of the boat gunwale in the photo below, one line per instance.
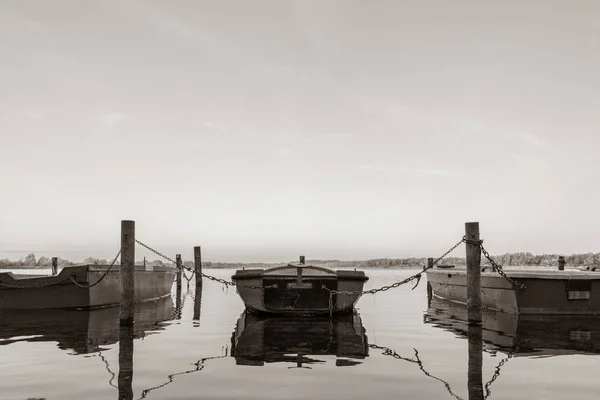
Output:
(543, 274)
(63, 277)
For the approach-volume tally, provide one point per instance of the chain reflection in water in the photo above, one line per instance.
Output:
(199, 366)
(488, 391)
(389, 352)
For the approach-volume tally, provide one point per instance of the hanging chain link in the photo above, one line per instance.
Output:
(412, 278)
(498, 268)
(212, 278)
(416, 277)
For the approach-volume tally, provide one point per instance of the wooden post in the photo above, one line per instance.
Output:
(54, 265)
(473, 252)
(561, 263)
(178, 292)
(179, 271)
(127, 271)
(198, 267)
(475, 364)
(125, 378)
(429, 288)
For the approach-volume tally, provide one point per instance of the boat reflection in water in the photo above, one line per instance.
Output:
(82, 331)
(521, 335)
(261, 339)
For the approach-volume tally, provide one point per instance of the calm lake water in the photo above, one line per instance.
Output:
(408, 350)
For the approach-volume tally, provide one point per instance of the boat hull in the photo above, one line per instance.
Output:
(280, 291)
(59, 292)
(568, 292)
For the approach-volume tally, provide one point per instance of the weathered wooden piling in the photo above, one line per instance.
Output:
(475, 364)
(473, 253)
(561, 263)
(178, 293)
(54, 265)
(198, 267)
(179, 272)
(125, 378)
(429, 288)
(127, 272)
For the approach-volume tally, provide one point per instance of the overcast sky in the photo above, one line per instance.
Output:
(263, 130)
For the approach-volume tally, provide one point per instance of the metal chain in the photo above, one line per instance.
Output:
(186, 277)
(156, 252)
(212, 278)
(395, 285)
(488, 391)
(498, 268)
(72, 276)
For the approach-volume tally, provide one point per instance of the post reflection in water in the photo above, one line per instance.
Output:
(126, 362)
(475, 378)
(178, 305)
(259, 339)
(197, 306)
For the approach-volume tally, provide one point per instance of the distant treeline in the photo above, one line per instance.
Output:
(506, 259)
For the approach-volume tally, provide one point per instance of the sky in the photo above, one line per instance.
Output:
(265, 130)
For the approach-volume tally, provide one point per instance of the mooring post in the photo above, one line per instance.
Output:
(473, 250)
(179, 272)
(561, 263)
(429, 288)
(54, 265)
(198, 267)
(127, 271)
(178, 294)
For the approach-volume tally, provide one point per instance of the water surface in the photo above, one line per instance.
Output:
(396, 347)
